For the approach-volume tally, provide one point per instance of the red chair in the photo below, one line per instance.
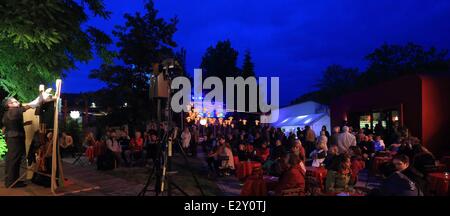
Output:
(255, 185)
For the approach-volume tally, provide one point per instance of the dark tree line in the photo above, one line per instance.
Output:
(385, 63)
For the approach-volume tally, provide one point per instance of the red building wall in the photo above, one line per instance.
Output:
(425, 101)
(436, 114)
(388, 95)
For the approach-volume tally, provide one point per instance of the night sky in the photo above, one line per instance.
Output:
(295, 40)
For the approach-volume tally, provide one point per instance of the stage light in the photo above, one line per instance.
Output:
(203, 121)
(74, 114)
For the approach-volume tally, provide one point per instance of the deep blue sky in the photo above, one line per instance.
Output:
(293, 39)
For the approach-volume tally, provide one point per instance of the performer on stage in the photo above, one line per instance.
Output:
(15, 136)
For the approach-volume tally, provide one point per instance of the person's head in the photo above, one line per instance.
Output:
(333, 150)
(324, 128)
(366, 126)
(293, 160)
(257, 135)
(264, 144)
(321, 144)
(221, 139)
(344, 162)
(297, 145)
(370, 137)
(137, 134)
(345, 129)
(366, 138)
(378, 138)
(278, 142)
(322, 133)
(361, 131)
(401, 162)
(242, 147)
(50, 135)
(230, 136)
(113, 135)
(336, 129)
(298, 128)
(11, 102)
(153, 135)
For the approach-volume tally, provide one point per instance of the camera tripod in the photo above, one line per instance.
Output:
(161, 170)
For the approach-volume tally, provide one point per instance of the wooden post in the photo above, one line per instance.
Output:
(55, 151)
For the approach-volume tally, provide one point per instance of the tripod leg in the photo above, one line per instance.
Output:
(178, 188)
(192, 173)
(149, 180)
(17, 180)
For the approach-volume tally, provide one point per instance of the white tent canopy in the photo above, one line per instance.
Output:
(309, 113)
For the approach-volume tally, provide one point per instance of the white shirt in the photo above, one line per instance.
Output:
(113, 145)
(345, 140)
(185, 139)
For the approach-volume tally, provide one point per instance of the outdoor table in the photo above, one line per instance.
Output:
(377, 161)
(271, 182)
(315, 179)
(446, 160)
(438, 184)
(245, 169)
(254, 185)
(342, 194)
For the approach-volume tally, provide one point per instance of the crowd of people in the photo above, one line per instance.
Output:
(343, 153)
(115, 147)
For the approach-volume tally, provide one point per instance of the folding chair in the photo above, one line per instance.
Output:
(78, 154)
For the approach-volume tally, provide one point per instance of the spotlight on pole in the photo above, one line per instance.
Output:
(74, 114)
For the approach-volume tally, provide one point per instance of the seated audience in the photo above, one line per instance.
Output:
(298, 149)
(379, 144)
(294, 178)
(114, 147)
(339, 176)
(262, 154)
(331, 156)
(136, 148)
(402, 165)
(319, 154)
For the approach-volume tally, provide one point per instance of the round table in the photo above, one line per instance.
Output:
(254, 186)
(377, 161)
(245, 168)
(438, 184)
(271, 182)
(315, 179)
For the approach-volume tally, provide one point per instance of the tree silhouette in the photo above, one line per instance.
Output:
(41, 40)
(248, 68)
(143, 41)
(220, 61)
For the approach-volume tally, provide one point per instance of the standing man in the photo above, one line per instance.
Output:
(345, 140)
(15, 137)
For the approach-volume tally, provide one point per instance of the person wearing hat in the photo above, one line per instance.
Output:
(15, 136)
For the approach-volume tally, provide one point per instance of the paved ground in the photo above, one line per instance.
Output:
(85, 180)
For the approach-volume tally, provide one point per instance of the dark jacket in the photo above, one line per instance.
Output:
(13, 122)
(398, 184)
